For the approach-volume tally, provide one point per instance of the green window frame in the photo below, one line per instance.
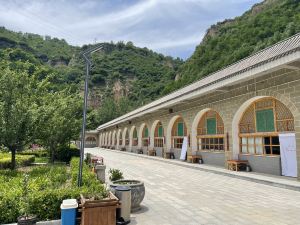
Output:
(211, 126)
(265, 120)
(160, 131)
(134, 133)
(180, 129)
(146, 133)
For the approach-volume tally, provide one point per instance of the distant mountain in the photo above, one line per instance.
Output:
(123, 76)
(231, 40)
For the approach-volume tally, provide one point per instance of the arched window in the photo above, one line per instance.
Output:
(114, 138)
(90, 140)
(178, 132)
(110, 139)
(120, 138)
(210, 132)
(134, 138)
(159, 135)
(145, 136)
(261, 124)
(126, 138)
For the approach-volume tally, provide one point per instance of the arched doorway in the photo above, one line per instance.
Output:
(158, 138)
(114, 138)
(119, 139)
(126, 137)
(176, 132)
(210, 138)
(90, 142)
(145, 136)
(110, 139)
(179, 131)
(261, 129)
(135, 139)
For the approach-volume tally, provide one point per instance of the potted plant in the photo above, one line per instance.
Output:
(115, 174)
(99, 209)
(25, 218)
(137, 187)
(137, 191)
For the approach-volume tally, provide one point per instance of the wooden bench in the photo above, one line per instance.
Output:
(152, 152)
(140, 151)
(194, 158)
(169, 155)
(236, 165)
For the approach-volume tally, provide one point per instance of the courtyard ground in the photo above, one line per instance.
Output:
(179, 195)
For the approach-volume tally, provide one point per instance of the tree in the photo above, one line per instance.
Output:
(19, 116)
(61, 120)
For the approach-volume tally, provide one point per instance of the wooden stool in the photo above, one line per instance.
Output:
(235, 165)
(194, 158)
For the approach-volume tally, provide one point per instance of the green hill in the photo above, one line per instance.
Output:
(231, 40)
(123, 76)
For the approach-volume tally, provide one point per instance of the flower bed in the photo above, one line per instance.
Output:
(48, 186)
(21, 160)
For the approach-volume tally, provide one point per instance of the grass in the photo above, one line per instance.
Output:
(41, 160)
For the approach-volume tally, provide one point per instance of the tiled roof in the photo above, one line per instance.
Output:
(264, 56)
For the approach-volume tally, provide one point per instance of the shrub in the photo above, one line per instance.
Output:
(48, 187)
(115, 174)
(66, 153)
(21, 160)
(36, 152)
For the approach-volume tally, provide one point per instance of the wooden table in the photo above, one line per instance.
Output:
(194, 158)
(235, 165)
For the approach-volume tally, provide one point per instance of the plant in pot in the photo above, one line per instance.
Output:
(137, 188)
(115, 174)
(25, 218)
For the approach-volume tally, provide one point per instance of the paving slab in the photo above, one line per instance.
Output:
(180, 194)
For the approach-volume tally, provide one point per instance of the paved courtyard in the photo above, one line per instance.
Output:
(183, 196)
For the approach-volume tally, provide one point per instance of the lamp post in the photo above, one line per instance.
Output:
(88, 63)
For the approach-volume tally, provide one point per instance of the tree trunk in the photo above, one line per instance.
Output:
(13, 159)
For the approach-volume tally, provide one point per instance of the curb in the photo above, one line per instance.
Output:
(228, 174)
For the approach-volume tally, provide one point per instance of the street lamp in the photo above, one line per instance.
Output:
(88, 63)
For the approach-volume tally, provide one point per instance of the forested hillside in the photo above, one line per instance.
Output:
(233, 39)
(124, 77)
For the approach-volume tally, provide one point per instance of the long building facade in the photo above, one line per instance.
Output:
(240, 112)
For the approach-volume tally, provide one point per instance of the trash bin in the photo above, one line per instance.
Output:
(68, 211)
(100, 171)
(123, 193)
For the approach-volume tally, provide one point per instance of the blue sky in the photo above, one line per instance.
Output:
(171, 27)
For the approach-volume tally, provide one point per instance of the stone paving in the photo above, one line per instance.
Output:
(183, 196)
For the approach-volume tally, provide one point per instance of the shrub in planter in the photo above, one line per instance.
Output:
(115, 174)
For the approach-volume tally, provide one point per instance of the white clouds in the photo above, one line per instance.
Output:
(168, 26)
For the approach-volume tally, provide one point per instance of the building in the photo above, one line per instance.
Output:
(239, 112)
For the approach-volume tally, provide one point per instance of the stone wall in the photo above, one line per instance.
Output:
(230, 103)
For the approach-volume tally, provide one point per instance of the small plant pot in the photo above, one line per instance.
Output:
(29, 220)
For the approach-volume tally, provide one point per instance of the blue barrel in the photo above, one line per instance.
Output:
(68, 211)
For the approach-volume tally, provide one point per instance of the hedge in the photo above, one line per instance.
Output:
(49, 186)
(21, 160)
(36, 152)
